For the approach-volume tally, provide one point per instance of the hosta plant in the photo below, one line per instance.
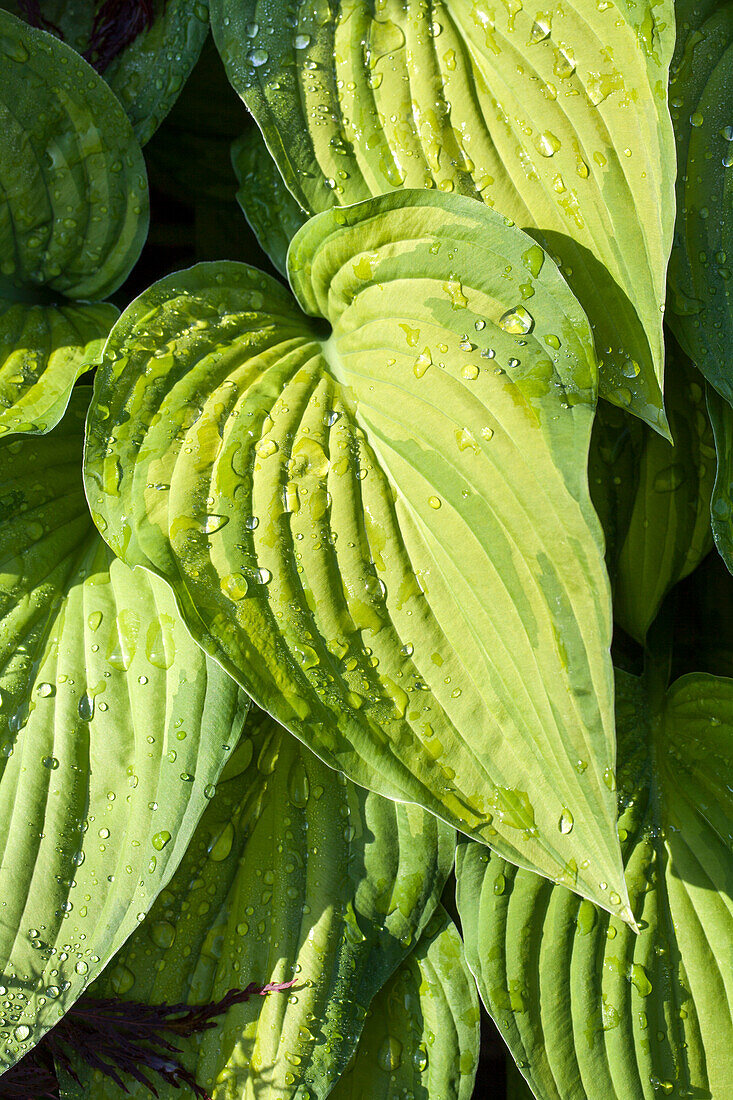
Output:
(366, 615)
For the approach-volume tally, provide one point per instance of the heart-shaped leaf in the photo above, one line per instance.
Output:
(589, 1009)
(385, 534)
(43, 350)
(556, 118)
(653, 496)
(145, 51)
(421, 1034)
(113, 727)
(701, 92)
(294, 872)
(268, 206)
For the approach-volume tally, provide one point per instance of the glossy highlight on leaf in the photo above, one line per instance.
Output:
(556, 118)
(293, 872)
(588, 1008)
(113, 725)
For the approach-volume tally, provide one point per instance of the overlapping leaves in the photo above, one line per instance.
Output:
(556, 118)
(145, 51)
(587, 1007)
(72, 223)
(305, 495)
(113, 727)
(293, 872)
(653, 497)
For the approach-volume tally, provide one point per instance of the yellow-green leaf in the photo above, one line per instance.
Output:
(556, 116)
(385, 533)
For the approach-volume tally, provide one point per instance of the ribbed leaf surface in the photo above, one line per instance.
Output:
(43, 350)
(557, 118)
(385, 534)
(421, 1034)
(590, 1010)
(75, 209)
(293, 872)
(146, 73)
(653, 497)
(113, 727)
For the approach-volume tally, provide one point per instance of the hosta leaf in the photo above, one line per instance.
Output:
(421, 1034)
(590, 1010)
(385, 533)
(75, 208)
(654, 497)
(268, 206)
(145, 63)
(721, 418)
(293, 872)
(556, 118)
(701, 92)
(43, 350)
(113, 725)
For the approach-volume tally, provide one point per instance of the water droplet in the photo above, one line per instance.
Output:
(222, 845)
(547, 143)
(517, 321)
(264, 448)
(533, 259)
(86, 707)
(160, 840)
(434, 502)
(422, 363)
(21, 1033)
(565, 824)
(390, 1054)
(302, 41)
(234, 586)
(162, 933)
(50, 762)
(45, 690)
(298, 784)
(258, 57)
(696, 119)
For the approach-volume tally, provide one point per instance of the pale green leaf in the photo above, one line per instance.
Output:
(700, 308)
(149, 73)
(653, 496)
(112, 728)
(557, 118)
(721, 507)
(75, 209)
(293, 872)
(268, 206)
(43, 350)
(385, 534)
(421, 1034)
(590, 1010)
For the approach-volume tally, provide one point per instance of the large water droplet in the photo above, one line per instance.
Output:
(517, 321)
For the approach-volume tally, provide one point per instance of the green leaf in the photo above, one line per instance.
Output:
(721, 507)
(591, 1011)
(268, 206)
(43, 350)
(385, 534)
(293, 872)
(557, 118)
(148, 74)
(654, 497)
(421, 1034)
(700, 308)
(75, 213)
(113, 726)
